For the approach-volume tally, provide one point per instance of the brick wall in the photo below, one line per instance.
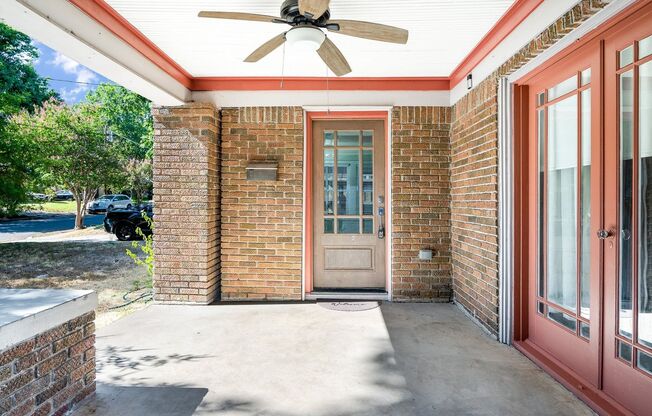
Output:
(51, 372)
(262, 220)
(474, 169)
(421, 202)
(186, 203)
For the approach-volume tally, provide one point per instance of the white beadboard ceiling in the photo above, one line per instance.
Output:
(442, 33)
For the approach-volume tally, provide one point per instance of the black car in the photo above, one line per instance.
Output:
(123, 222)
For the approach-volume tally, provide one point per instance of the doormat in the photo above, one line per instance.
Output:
(349, 306)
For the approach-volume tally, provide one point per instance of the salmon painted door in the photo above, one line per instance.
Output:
(627, 370)
(348, 204)
(564, 306)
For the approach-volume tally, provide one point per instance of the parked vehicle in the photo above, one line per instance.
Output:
(35, 196)
(107, 203)
(123, 222)
(63, 195)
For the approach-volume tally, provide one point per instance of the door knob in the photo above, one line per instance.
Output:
(603, 234)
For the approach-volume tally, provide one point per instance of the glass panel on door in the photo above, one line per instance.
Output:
(563, 120)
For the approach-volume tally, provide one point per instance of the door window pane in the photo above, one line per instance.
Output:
(562, 318)
(329, 138)
(586, 76)
(644, 362)
(585, 330)
(348, 226)
(329, 190)
(348, 138)
(562, 203)
(645, 47)
(328, 226)
(624, 351)
(626, 146)
(367, 138)
(348, 182)
(626, 56)
(645, 205)
(585, 206)
(367, 226)
(367, 182)
(562, 88)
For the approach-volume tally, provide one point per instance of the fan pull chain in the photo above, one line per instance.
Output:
(328, 93)
(283, 66)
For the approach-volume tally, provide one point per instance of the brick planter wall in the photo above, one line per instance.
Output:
(51, 372)
(186, 203)
(421, 203)
(262, 220)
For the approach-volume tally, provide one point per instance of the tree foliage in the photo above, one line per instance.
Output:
(79, 154)
(21, 88)
(127, 116)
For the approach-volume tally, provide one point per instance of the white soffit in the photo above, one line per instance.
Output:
(442, 33)
(63, 27)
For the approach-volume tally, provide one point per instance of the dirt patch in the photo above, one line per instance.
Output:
(100, 266)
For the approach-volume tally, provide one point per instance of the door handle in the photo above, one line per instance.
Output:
(604, 234)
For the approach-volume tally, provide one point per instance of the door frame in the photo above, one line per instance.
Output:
(313, 113)
(517, 137)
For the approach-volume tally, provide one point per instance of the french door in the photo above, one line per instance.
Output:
(589, 215)
(628, 216)
(564, 288)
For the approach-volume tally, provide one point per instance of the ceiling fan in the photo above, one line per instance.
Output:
(308, 18)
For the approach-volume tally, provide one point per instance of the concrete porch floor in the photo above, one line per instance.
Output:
(304, 359)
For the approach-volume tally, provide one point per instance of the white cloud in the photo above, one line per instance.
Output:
(81, 74)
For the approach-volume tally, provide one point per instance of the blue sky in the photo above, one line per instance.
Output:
(52, 64)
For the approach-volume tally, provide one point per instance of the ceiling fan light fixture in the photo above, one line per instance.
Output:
(306, 38)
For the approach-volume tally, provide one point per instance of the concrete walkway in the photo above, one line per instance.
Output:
(304, 359)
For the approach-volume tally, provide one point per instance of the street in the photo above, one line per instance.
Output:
(27, 229)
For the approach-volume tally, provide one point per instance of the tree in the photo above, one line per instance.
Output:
(128, 117)
(21, 88)
(80, 156)
(139, 178)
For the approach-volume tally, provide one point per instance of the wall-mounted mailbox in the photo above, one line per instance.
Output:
(262, 171)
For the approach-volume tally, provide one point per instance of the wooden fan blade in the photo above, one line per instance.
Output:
(266, 48)
(315, 8)
(368, 30)
(239, 16)
(332, 56)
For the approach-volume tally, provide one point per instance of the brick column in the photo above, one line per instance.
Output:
(186, 203)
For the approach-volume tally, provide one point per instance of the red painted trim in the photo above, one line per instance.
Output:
(307, 223)
(106, 16)
(513, 17)
(320, 84)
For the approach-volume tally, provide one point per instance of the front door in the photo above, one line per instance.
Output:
(348, 204)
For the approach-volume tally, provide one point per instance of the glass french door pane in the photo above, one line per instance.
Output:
(626, 93)
(329, 190)
(562, 203)
(348, 182)
(562, 88)
(367, 226)
(585, 207)
(328, 225)
(368, 138)
(645, 205)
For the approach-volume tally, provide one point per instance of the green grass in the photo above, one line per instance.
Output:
(56, 206)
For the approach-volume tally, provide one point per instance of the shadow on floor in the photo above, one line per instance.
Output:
(134, 400)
